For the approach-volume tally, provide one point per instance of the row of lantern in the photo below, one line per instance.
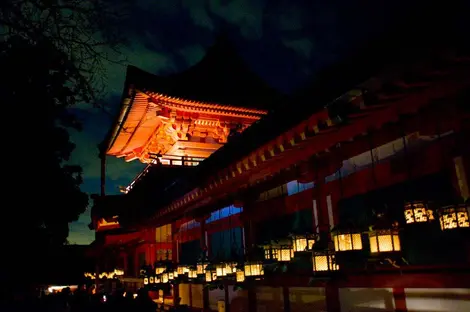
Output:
(450, 217)
(381, 240)
(210, 272)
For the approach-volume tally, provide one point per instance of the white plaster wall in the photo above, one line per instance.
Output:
(269, 299)
(366, 299)
(214, 296)
(307, 299)
(197, 300)
(437, 299)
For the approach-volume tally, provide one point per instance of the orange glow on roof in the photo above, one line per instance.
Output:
(157, 124)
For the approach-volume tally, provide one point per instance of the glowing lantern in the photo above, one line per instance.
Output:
(182, 269)
(454, 217)
(302, 242)
(231, 268)
(384, 240)
(151, 280)
(346, 240)
(418, 212)
(201, 267)
(158, 279)
(324, 260)
(165, 277)
(271, 253)
(254, 269)
(211, 273)
(192, 273)
(160, 268)
(240, 276)
(221, 269)
(171, 276)
(146, 281)
(286, 253)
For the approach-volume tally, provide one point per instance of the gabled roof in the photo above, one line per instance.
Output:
(220, 85)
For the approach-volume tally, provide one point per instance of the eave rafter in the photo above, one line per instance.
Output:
(199, 107)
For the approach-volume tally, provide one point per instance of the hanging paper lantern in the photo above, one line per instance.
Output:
(418, 212)
(221, 269)
(231, 268)
(192, 273)
(210, 273)
(384, 240)
(151, 280)
(302, 242)
(324, 260)
(201, 267)
(146, 281)
(346, 240)
(271, 252)
(165, 277)
(253, 269)
(240, 276)
(160, 268)
(454, 217)
(286, 253)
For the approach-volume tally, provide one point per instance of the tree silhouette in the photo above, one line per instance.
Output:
(87, 32)
(37, 93)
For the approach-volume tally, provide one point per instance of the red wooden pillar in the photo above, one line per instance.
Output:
(204, 247)
(252, 305)
(249, 230)
(286, 298)
(399, 297)
(322, 206)
(226, 297)
(174, 260)
(332, 296)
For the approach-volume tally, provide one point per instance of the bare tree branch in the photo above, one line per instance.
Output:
(88, 32)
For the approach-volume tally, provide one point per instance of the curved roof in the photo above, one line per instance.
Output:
(221, 84)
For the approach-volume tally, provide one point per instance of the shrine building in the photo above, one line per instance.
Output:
(351, 194)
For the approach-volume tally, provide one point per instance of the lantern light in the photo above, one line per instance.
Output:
(346, 240)
(324, 260)
(221, 269)
(253, 269)
(182, 269)
(286, 253)
(418, 212)
(158, 279)
(302, 242)
(454, 217)
(240, 276)
(231, 268)
(211, 273)
(165, 277)
(201, 267)
(146, 281)
(384, 240)
(160, 268)
(192, 273)
(151, 280)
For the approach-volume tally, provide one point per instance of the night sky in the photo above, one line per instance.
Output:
(284, 41)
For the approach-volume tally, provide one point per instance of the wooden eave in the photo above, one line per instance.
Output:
(317, 134)
(139, 120)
